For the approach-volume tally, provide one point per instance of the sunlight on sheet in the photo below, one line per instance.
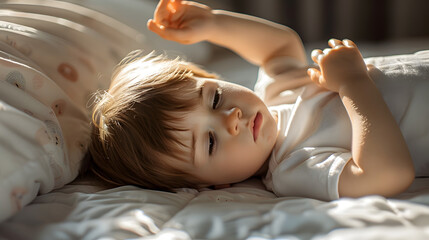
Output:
(139, 223)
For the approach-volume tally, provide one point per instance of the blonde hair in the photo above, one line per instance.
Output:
(134, 122)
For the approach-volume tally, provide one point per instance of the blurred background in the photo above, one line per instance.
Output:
(361, 20)
(379, 28)
(377, 22)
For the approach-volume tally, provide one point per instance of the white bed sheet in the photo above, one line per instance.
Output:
(83, 211)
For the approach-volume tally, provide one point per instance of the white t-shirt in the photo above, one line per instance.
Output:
(314, 141)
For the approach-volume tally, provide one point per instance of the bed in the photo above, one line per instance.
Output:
(82, 209)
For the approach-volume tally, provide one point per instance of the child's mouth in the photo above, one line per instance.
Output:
(257, 125)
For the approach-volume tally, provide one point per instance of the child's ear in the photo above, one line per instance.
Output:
(221, 186)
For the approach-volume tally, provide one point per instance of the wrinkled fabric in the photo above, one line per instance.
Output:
(315, 132)
(53, 57)
(244, 211)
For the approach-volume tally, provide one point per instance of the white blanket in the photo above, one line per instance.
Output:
(81, 211)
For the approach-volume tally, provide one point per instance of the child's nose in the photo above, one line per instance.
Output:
(232, 119)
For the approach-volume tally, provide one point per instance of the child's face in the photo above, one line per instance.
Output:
(232, 133)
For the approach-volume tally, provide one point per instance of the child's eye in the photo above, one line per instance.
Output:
(212, 142)
(216, 98)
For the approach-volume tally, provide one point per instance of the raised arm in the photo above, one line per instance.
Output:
(381, 161)
(255, 39)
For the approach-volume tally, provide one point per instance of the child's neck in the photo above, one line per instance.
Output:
(275, 116)
(263, 170)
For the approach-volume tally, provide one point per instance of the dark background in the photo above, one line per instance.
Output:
(360, 20)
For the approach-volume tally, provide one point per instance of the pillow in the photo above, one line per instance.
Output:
(32, 162)
(53, 56)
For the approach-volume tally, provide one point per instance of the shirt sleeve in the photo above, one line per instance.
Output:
(311, 172)
(279, 79)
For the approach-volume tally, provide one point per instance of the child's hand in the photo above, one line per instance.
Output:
(182, 21)
(340, 65)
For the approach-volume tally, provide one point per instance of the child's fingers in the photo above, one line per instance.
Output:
(167, 33)
(335, 43)
(162, 11)
(173, 5)
(151, 25)
(176, 2)
(326, 51)
(177, 9)
(315, 75)
(316, 55)
(156, 28)
(163, 5)
(349, 43)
